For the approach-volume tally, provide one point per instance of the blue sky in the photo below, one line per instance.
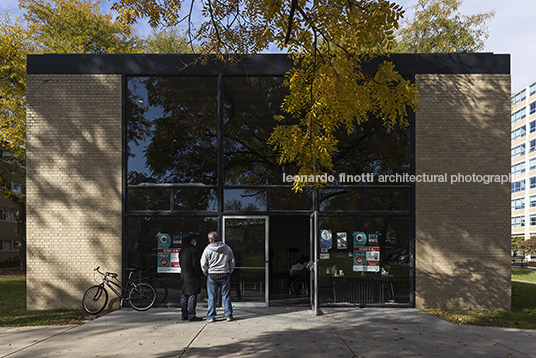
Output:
(512, 31)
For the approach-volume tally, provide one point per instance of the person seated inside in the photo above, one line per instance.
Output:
(298, 274)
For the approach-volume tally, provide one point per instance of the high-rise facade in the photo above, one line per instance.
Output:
(523, 183)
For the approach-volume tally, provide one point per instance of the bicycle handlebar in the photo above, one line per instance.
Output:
(106, 274)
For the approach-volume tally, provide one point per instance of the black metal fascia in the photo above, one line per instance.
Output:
(255, 65)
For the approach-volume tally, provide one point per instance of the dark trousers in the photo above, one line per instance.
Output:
(188, 304)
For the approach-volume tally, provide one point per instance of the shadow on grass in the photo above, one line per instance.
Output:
(523, 314)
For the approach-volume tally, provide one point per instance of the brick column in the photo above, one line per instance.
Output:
(463, 229)
(73, 185)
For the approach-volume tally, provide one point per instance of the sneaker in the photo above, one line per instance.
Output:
(211, 320)
(195, 319)
(184, 318)
(229, 319)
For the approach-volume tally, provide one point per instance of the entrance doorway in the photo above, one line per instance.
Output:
(265, 249)
(289, 245)
(248, 238)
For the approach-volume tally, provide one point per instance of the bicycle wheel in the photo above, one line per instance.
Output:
(142, 296)
(95, 299)
(160, 288)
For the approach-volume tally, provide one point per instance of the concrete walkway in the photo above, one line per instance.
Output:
(529, 282)
(277, 332)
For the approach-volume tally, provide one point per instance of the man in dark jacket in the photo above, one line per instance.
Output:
(191, 275)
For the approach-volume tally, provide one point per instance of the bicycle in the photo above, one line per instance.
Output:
(160, 288)
(158, 285)
(141, 296)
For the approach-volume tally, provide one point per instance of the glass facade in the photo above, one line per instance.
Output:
(197, 155)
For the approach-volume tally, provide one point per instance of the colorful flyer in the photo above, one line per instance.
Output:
(374, 239)
(342, 240)
(366, 258)
(168, 253)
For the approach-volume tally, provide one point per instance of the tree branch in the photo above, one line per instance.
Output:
(290, 20)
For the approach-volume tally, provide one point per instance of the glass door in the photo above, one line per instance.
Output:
(248, 238)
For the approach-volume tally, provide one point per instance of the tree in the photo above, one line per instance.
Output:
(438, 26)
(14, 46)
(59, 26)
(516, 242)
(331, 42)
(76, 26)
(12, 172)
(528, 247)
(167, 41)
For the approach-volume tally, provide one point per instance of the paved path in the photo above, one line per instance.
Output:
(277, 332)
(530, 282)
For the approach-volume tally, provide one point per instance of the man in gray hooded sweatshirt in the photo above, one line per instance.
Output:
(217, 263)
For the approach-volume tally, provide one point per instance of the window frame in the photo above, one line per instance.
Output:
(516, 206)
(518, 221)
(521, 186)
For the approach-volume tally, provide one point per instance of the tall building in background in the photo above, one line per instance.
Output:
(523, 171)
(9, 240)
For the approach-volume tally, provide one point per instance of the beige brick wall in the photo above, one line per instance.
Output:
(463, 230)
(73, 185)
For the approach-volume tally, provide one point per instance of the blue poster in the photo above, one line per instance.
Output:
(325, 239)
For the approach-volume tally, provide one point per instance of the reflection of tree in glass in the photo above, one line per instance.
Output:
(248, 234)
(195, 199)
(148, 199)
(286, 199)
(178, 123)
(250, 105)
(341, 200)
(374, 148)
(182, 144)
(138, 128)
(388, 199)
(236, 205)
(377, 199)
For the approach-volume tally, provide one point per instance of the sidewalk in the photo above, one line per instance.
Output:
(268, 332)
(529, 282)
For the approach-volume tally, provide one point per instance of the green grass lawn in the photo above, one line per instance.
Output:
(522, 315)
(13, 312)
(523, 274)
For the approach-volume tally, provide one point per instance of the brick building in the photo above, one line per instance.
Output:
(9, 239)
(523, 146)
(127, 151)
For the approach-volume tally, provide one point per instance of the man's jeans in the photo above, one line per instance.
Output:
(212, 291)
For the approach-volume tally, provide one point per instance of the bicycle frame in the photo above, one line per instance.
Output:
(108, 282)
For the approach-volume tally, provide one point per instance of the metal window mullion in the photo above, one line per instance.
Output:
(220, 152)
